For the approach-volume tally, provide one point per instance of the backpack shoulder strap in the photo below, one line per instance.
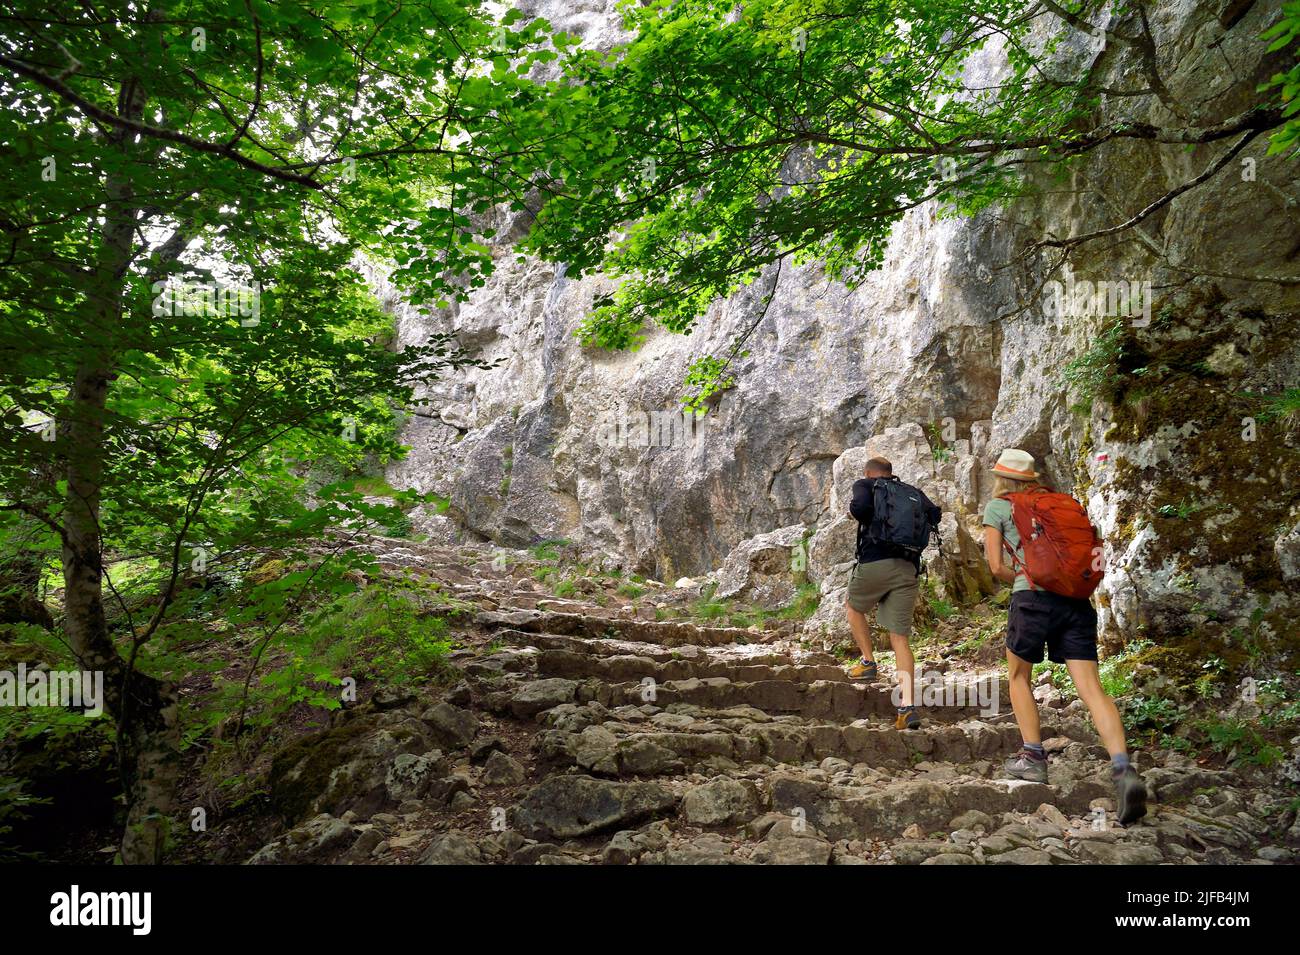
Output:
(1017, 564)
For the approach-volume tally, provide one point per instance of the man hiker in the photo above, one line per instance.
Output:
(1050, 587)
(895, 522)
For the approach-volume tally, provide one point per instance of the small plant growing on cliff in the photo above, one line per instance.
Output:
(1207, 685)
(1153, 711)
(1242, 743)
(938, 449)
(1094, 373)
(547, 550)
(1182, 510)
(1284, 407)
(1283, 33)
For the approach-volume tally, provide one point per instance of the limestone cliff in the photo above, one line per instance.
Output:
(951, 351)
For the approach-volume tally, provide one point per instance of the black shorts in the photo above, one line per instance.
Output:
(1038, 618)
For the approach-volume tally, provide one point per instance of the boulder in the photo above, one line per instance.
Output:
(721, 802)
(764, 570)
(316, 840)
(540, 695)
(347, 767)
(502, 770)
(567, 807)
(451, 725)
(454, 847)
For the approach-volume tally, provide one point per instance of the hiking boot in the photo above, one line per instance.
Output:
(907, 719)
(864, 670)
(1025, 765)
(1130, 796)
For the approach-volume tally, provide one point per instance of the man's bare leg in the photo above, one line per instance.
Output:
(904, 667)
(861, 631)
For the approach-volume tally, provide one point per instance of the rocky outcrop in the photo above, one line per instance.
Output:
(370, 760)
(944, 356)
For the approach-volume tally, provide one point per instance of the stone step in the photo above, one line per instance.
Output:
(741, 654)
(669, 744)
(665, 633)
(829, 699)
(941, 685)
(834, 699)
(840, 812)
(628, 667)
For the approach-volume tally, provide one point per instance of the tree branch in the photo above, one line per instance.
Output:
(98, 113)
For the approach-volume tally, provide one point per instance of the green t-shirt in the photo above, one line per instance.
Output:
(998, 514)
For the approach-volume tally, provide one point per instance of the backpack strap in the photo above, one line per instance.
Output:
(1017, 565)
(879, 507)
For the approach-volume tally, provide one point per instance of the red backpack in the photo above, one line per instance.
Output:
(1062, 549)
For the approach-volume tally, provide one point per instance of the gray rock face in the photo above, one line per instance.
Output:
(541, 695)
(942, 346)
(310, 842)
(566, 807)
(453, 848)
(451, 724)
(721, 802)
(502, 770)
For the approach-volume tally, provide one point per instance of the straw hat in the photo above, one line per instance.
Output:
(1015, 464)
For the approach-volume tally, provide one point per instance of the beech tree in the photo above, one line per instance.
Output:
(186, 189)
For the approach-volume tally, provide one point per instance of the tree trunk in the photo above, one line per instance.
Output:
(20, 576)
(143, 708)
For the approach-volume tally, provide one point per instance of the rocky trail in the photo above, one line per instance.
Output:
(584, 730)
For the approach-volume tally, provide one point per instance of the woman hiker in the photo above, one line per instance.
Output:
(1065, 626)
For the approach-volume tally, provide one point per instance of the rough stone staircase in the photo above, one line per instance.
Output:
(585, 732)
(779, 732)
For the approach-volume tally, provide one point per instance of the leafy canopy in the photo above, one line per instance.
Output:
(724, 138)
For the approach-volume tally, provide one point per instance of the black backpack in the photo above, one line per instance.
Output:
(899, 516)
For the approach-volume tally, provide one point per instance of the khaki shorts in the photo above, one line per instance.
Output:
(890, 587)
